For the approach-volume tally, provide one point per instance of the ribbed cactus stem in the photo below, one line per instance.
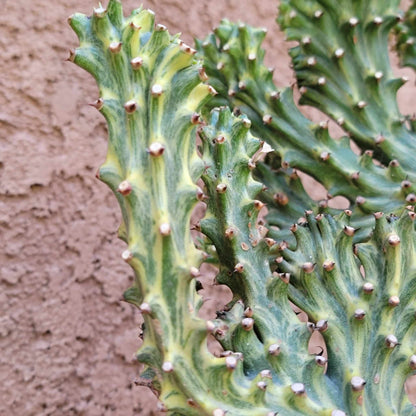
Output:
(146, 142)
(299, 143)
(360, 86)
(370, 326)
(243, 252)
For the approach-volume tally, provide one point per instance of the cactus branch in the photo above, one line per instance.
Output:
(247, 84)
(348, 48)
(370, 334)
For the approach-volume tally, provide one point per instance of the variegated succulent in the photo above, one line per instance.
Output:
(352, 272)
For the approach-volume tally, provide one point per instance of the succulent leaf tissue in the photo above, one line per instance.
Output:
(208, 124)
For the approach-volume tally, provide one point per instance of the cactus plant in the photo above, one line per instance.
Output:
(352, 272)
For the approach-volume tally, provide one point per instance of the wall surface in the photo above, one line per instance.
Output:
(67, 341)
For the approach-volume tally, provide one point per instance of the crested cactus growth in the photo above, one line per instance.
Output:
(357, 289)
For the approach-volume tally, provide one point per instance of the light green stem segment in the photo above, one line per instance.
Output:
(150, 91)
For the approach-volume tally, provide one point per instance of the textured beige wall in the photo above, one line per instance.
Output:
(66, 340)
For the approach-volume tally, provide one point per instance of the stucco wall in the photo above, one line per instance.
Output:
(66, 340)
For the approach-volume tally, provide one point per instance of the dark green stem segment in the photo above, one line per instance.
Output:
(259, 323)
(233, 58)
(342, 67)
